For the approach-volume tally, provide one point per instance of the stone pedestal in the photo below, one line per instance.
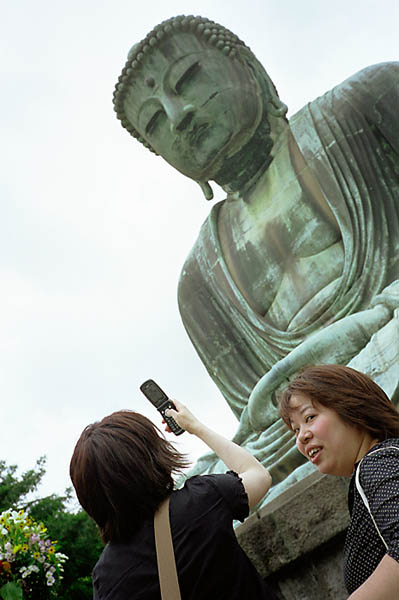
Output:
(296, 541)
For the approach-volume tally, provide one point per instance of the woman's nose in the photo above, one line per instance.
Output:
(304, 435)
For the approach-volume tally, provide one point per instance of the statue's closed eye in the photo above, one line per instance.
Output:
(155, 120)
(187, 77)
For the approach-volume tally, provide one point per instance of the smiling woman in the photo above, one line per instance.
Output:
(346, 425)
(319, 433)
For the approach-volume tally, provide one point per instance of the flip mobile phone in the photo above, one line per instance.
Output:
(161, 401)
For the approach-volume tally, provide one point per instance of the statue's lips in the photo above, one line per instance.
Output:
(198, 134)
(200, 148)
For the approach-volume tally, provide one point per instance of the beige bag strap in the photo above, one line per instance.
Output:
(168, 579)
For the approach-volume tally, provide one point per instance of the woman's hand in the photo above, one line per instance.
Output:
(255, 478)
(183, 417)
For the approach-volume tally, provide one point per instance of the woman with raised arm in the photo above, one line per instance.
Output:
(346, 425)
(122, 470)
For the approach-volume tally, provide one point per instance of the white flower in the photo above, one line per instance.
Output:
(26, 571)
(61, 557)
(37, 542)
(49, 569)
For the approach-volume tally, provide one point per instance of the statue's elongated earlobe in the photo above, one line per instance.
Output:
(277, 108)
(206, 189)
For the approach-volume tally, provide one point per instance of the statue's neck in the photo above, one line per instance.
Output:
(239, 172)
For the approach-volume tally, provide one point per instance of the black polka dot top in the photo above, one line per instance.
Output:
(364, 549)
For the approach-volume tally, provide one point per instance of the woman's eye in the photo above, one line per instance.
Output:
(187, 77)
(309, 418)
(154, 122)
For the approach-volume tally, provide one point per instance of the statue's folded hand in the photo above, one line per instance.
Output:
(338, 343)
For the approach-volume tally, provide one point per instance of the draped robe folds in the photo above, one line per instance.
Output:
(349, 138)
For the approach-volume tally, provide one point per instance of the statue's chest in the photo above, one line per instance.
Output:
(286, 259)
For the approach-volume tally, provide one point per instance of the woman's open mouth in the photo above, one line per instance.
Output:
(314, 453)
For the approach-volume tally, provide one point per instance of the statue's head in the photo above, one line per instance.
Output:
(194, 93)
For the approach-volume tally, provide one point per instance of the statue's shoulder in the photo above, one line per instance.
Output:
(389, 68)
(375, 75)
(375, 87)
(373, 92)
(371, 83)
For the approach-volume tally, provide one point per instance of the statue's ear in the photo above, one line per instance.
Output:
(206, 189)
(274, 105)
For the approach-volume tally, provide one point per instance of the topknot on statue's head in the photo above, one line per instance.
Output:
(213, 34)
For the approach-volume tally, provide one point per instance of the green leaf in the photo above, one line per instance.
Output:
(11, 591)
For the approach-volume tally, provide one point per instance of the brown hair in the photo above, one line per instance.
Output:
(121, 470)
(356, 398)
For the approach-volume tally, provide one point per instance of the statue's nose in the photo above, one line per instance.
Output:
(180, 117)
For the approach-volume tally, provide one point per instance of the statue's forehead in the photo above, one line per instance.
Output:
(159, 61)
(173, 46)
(169, 50)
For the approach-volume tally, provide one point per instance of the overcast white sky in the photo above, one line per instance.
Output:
(95, 228)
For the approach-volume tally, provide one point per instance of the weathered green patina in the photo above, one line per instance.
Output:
(300, 263)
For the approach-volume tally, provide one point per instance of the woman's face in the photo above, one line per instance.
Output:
(325, 439)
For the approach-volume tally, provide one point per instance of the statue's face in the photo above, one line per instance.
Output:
(194, 105)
